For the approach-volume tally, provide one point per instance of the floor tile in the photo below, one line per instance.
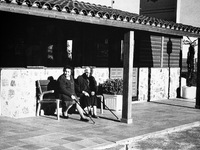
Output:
(74, 146)
(4, 146)
(59, 148)
(86, 143)
(31, 147)
(72, 139)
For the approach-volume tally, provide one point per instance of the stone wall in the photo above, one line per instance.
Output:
(143, 83)
(18, 90)
(155, 84)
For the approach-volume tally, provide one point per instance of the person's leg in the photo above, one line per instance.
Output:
(66, 106)
(95, 110)
(94, 106)
(66, 112)
(85, 103)
(80, 110)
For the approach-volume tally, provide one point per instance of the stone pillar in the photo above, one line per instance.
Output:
(127, 77)
(198, 77)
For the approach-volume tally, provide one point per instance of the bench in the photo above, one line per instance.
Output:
(46, 94)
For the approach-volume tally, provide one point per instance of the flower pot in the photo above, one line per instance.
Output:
(113, 102)
(189, 92)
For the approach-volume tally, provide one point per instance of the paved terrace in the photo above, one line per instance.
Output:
(46, 133)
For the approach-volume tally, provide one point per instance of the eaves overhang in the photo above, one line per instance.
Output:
(96, 14)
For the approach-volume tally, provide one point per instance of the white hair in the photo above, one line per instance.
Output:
(87, 69)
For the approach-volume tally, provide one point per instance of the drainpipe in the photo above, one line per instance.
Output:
(112, 2)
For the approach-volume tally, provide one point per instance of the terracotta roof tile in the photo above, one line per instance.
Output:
(99, 11)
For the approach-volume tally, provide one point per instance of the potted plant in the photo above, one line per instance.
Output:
(112, 90)
(113, 86)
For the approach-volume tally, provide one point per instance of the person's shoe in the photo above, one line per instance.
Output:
(95, 116)
(65, 116)
(84, 119)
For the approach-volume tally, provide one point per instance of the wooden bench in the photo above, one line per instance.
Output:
(46, 94)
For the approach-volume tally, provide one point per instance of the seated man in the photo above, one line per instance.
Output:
(86, 89)
(66, 92)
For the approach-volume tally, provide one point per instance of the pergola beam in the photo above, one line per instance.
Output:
(89, 19)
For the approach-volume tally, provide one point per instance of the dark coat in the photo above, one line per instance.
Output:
(93, 84)
(82, 85)
(66, 88)
(88, 85)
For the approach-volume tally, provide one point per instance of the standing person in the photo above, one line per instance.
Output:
(66, 91)
(86, 89)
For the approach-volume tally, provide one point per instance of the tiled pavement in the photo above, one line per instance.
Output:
(46, 133)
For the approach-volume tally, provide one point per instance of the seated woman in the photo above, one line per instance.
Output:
(66, 92)
(86, 89)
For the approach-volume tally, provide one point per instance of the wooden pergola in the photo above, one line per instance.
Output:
(100, 15)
